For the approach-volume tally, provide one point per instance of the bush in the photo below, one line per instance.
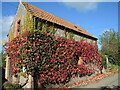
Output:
(114, 67)
(104, 61)
(8, 85)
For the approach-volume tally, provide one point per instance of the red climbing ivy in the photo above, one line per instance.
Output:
(51, 59)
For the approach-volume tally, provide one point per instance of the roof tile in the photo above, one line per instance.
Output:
(52, 18)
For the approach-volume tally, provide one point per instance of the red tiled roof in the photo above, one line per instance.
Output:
(52, 18)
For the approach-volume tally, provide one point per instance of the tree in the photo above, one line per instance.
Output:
(109, 41)
(2, 57)
(3, 53)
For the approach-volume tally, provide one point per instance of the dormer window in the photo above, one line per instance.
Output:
(77, 28)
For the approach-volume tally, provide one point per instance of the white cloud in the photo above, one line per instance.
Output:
(6, 23)
(82, 6)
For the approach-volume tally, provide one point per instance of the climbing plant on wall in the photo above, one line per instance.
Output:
(51, 59)
(52, 29)
(43, 26)
(37, 23)
(65, 33)
(48, 27)
(10, 36)
(70, 35)
(29, 25)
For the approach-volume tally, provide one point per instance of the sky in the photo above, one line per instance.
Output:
(94, 17)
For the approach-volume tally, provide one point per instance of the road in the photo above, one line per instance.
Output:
(109, 81)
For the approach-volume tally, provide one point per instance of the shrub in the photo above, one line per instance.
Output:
(8, 85)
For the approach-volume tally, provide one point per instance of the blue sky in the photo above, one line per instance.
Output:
(94, 17)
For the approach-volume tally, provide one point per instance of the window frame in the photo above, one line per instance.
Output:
(16, 27)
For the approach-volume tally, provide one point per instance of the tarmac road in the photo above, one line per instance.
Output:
(109, 81)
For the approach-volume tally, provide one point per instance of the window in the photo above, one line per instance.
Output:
(77, 28)
(18, 27)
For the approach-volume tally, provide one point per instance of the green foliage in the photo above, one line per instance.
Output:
(52, 30)
(11, 36)
(2, 57)
(103, 60)
(7, 85)
(48, 28)
(23, 74)
(114, 67)
(109, 42)
(65, 33)
(11, 86)
(70, 35)
(45, 28)
(37, 23)
(29, 25)
(32, 22)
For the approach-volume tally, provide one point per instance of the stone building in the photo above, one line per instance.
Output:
(29, 17)
(61, 28)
